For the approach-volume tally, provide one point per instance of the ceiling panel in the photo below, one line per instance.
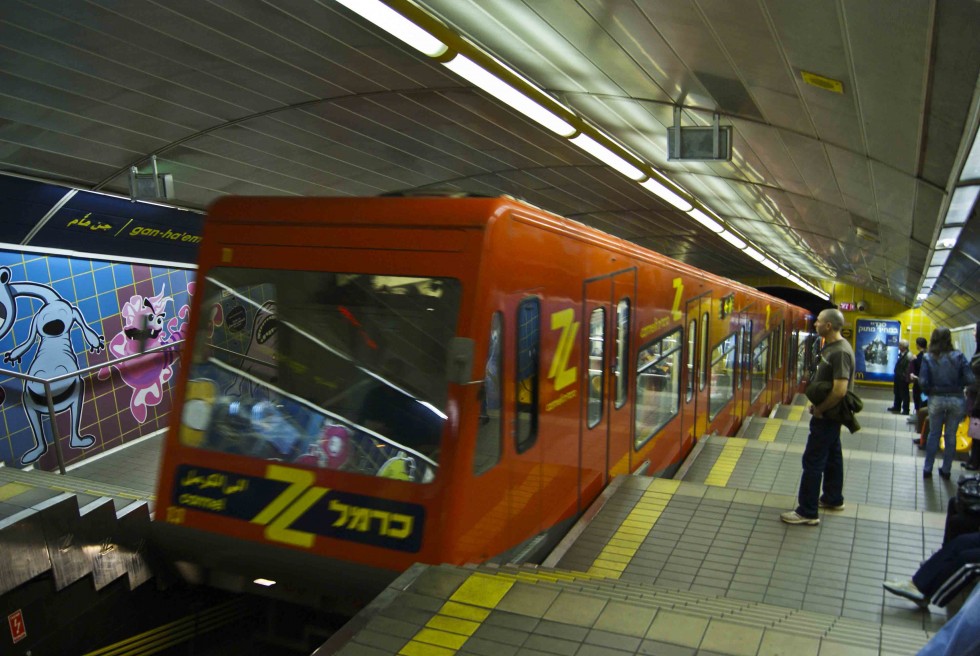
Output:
(297, 97)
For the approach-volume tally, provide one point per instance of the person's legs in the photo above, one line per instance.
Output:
(937, 415)
(903, 393)
(945, 562)
(818, 444)
(954, 414)
(833, 473)
(896, 399)
(916, 395)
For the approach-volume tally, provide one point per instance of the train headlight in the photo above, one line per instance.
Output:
(196, 414)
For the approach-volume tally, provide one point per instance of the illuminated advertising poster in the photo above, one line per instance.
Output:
(876, 349)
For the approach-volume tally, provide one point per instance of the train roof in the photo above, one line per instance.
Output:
(433, 211)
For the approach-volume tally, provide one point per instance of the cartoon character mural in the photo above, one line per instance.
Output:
(51, 328)
(144, 329)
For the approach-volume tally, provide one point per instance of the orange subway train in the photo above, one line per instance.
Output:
(375, 382)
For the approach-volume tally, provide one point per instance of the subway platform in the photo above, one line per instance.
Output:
(701, 564)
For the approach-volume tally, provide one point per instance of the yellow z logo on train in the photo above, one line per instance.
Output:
(294, 511)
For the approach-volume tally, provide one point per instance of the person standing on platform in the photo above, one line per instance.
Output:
(901, 383)
(822, 458)
(945, 374)
(921, 344)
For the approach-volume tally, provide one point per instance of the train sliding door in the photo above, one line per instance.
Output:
(607, 429)
(698, 322)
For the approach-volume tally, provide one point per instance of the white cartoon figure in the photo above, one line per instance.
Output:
(51, 327)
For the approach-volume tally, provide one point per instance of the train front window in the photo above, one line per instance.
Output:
(328, 370)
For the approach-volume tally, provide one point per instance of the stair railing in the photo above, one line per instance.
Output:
(47, 382)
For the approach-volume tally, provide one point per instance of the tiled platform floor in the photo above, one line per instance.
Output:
(703, 565)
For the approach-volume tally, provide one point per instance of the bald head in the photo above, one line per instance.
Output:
(833, 317)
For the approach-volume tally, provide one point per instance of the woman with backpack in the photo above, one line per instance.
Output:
(944, 376)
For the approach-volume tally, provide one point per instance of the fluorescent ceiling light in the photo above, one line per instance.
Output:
(504, 92)
(960, 205)
(933, 271)
(923, 295)
(603, 154)
(264, 582)
(754, 254)
(939, 258)
(732, 239)
(948, 237)
(705, 220)
(971, 170)
(929, 282)
(397, 25)
(667, 195)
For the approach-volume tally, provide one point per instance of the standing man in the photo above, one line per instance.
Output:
(921, 344)
(901, 382)
(822, 458)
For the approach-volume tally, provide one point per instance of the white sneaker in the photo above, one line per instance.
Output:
(791, 517)
(906, 588)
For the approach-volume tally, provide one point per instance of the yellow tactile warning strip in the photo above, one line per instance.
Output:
(796, 413)
(177, 632)
(726, 462)
(10, 490)
(459, 617)
(768, 432)
(623, 545)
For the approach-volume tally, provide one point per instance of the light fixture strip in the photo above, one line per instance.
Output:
(733, 239)
(397, 25)
(960, 205)
(664, 193)
(507, 94)
(706, 221)
(608, 157)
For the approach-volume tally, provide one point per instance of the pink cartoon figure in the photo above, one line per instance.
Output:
(145, 326)
(330, 451)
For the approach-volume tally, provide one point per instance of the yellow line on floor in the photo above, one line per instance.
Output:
(726, 462)
(10, 490)
(459, 618)
(623, 545)
(769, 431)
(796, 412)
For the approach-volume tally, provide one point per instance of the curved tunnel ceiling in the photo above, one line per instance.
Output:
(299, 97)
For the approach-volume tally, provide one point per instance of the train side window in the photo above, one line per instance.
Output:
(723, 369)
(703, 355)
(528, 339)
(658, 385)
(760, 367)
(622, 351)
(692, 341)
(488, 434)
(597, 360)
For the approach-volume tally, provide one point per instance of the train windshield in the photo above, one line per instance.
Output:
(329, 370)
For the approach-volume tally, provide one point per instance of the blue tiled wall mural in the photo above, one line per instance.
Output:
(59, 315)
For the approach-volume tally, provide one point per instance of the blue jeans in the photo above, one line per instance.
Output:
(822, 461)
(961, 634)
(948, 412)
